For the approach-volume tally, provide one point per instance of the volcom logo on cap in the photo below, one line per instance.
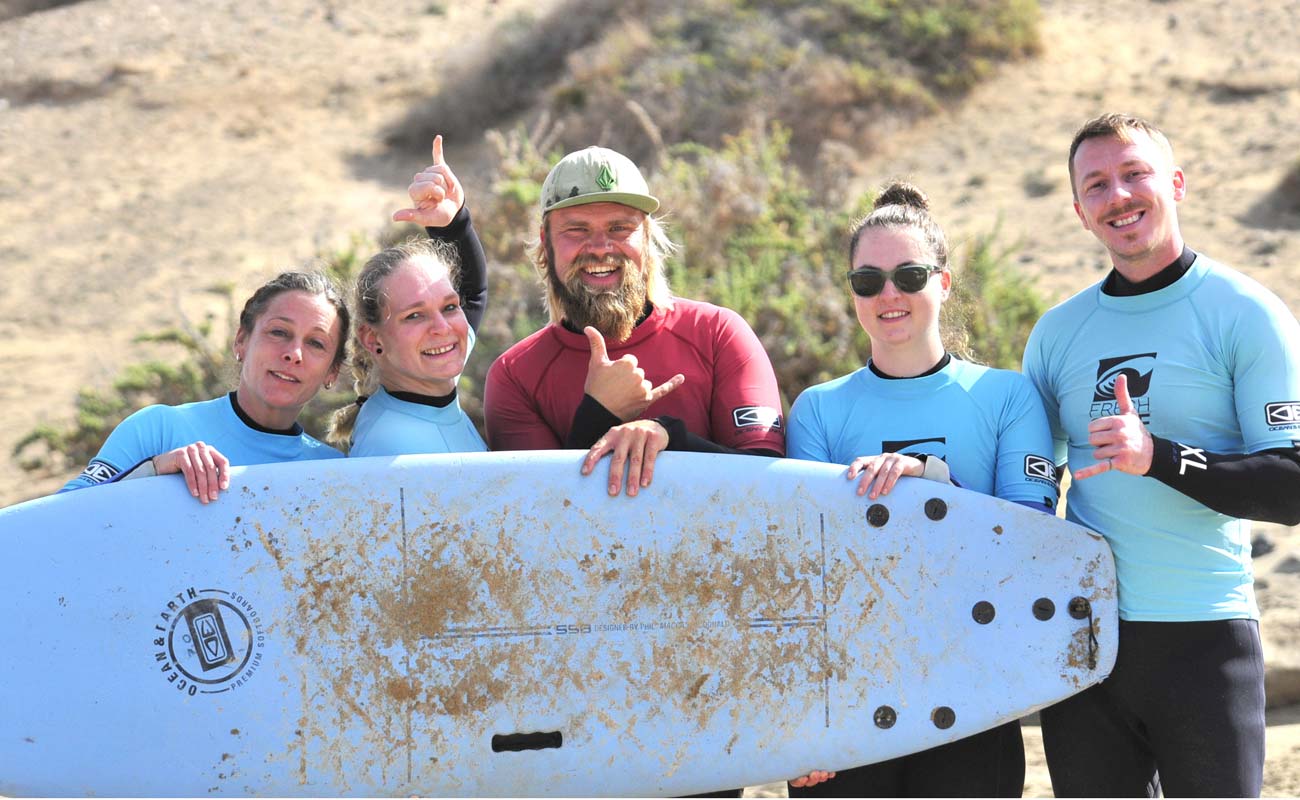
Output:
(756, 416)
(1138, 368)
(98, 472)
(605, 178)
(1281, 416)
(1040, 469)
(936, 446)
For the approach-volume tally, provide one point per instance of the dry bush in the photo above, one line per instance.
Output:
(529, 57)
(1286, 196)
(840, 70)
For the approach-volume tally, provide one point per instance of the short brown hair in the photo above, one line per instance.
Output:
(312, 283)
(1115, 126)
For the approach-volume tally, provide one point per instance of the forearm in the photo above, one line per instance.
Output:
(591, 421)
(473, 286)
(681, 439)
(1262, 486)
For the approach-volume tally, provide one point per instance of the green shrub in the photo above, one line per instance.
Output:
(993, 305)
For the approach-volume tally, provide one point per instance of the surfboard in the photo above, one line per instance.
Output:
(496, 624)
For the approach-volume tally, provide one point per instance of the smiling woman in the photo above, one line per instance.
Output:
(917, 410)
(419, 304)
(292, 340)
(413, 337)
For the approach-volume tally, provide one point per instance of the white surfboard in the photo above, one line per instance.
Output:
(495, 624)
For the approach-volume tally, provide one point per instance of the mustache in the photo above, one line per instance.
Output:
(1123, 212)
(607, 260)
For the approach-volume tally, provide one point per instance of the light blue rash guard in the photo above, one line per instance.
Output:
(1213, 361)
(987, 424)
(155, 430)
(390, 426)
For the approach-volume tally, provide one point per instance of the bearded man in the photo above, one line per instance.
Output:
(620, 348)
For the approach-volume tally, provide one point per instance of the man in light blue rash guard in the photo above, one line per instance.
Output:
(1173, 389)
(291, 341)
(914, 409)
(418, 305)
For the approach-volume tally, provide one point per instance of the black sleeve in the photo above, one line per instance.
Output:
(683, 440)
(473, 264)
(1263, 486)
(592, 420)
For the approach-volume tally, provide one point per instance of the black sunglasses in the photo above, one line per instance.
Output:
(912, 278)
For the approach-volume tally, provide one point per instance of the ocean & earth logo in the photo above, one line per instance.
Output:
(208, 641)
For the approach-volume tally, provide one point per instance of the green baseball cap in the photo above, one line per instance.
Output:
(596, 175)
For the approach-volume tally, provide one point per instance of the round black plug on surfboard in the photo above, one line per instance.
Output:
(885, 717)
(936, 509)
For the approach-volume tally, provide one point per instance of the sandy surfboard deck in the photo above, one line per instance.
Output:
(494, 624)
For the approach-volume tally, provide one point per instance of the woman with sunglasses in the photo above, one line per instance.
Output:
(917, 410)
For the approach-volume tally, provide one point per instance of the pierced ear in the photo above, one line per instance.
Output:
(368, 337)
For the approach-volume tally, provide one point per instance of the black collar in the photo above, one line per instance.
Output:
(1117, 285)
(425, 399)
(294, 430)
(943, 362)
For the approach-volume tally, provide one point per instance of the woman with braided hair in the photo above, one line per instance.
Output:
(418, 305)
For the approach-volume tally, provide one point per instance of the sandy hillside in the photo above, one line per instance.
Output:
(150, 150)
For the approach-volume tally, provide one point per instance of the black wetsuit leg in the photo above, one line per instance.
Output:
(719, 793)
(1183, 711)
(988, 764)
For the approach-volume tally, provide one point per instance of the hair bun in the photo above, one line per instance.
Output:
(900, 193)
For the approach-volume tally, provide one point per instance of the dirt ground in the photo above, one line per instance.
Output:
(150, 150)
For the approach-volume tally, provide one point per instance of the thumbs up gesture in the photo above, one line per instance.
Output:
(436, 194)
(1121, 441)
(621, 386)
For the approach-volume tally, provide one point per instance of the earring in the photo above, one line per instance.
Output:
(329, 384)
(379, 350)
(238, 357)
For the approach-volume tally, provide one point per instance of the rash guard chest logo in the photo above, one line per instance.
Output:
(1138, 368)
(936, 446)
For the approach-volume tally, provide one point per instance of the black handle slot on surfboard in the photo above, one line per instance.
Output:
(516, 742)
